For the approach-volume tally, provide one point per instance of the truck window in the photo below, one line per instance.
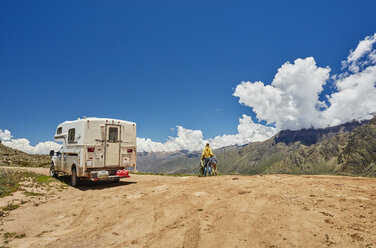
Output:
(71, 135)
(59, 130)
(113, 134)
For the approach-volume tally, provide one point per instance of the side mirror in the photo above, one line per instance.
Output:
(52, 153)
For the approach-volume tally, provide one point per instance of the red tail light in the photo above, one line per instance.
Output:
(130, 150)
(90, 149)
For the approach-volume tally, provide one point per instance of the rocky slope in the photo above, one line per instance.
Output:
(13, 157)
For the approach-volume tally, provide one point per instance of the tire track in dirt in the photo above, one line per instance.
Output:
(192, 235)
(187, 223)
(161, 228)
(79, 218)
(161, 231)
(154, 234)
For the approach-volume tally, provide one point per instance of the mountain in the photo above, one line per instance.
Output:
(313, 136)
(347, 149)
(359, 155)
(348, 153)
(149, 161)
(13, 157)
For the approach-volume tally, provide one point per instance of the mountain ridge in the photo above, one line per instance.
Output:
(308, 151)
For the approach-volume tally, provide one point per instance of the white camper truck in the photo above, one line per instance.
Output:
(94, 149)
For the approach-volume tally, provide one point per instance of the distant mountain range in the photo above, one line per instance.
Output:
(348, 149)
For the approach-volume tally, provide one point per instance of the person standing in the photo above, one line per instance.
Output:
(207, 153)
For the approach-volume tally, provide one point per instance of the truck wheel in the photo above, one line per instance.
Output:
(74, 179)
(52, 171)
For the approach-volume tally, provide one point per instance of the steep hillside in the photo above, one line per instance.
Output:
(346, 153)
(13, 157)
(359, 154)
(320, 158)
(344, 149)
(313, 136)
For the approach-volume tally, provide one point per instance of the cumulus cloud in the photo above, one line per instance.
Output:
(355, 98)
(292, 102)
(187, 139)
(372, 57)
(24, 144)
(354, 62)
(248, 131)
(5, 135)
(192, 140)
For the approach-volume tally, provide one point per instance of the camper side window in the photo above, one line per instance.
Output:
(59, 130)
(113, 134)
(71, 135)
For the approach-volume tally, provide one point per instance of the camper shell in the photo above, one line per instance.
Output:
(95, 149)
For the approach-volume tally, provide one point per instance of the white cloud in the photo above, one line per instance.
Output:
(292, 99)
(354, 62)
(248, 131)
(187, 139)
(5, 135)
(192, 140)
(372, 57)
(24, 144)
(364, 47)
(355, 99)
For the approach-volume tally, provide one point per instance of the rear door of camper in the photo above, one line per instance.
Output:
(112, 145)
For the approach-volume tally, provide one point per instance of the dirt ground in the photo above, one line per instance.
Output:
(223, 211)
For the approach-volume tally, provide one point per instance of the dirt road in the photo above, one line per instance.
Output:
(224, 211)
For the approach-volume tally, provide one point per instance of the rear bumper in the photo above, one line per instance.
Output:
(109, 178)
(104, 175)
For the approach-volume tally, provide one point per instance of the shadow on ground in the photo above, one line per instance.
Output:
(91, 185)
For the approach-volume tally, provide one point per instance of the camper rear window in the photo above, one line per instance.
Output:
(59, 130)
(113, 134)
(71, 135)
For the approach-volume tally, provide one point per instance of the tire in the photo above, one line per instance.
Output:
(117, 180)
(52, 171)
(74, 178)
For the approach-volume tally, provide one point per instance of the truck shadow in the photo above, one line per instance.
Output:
(90, 185)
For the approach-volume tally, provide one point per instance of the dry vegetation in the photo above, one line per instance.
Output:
(13, 157)
(22, 188)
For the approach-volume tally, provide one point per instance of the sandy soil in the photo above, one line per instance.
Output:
(224, 211)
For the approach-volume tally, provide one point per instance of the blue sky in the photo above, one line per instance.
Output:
(159, 63)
